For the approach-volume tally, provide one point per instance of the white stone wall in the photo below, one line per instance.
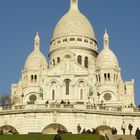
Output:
(68, 42)
(37, 121)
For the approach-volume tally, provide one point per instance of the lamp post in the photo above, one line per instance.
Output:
(22, 95)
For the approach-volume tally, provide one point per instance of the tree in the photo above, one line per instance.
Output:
(5, 100)
(15, 99)
(138, 106)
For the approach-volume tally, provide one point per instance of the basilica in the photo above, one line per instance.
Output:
(78, 84)
(76, 71)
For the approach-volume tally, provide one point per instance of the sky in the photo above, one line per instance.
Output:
(20, 19)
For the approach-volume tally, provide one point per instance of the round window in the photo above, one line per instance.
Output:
(107, 96)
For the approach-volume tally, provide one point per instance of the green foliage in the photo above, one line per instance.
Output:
(50, 137)
(5, 100)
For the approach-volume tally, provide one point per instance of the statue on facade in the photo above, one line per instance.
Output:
(41, 93)
(90, 91)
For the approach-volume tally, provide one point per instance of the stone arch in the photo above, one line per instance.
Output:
(104, 129)
(53, 90)
(67, 53)
(67, 83)
(79, 59)
(112, 93)
(8, 129)
(53, 81)
(53, 128)
(81, 80)
(26, 98)
(81, 90)
(30, 94)
(86, 62)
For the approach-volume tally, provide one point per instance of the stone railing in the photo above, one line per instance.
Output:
(70, 106)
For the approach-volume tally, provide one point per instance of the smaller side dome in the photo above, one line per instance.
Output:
(106, 57)
(36, 59)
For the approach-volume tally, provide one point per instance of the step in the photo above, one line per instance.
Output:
(124, 137)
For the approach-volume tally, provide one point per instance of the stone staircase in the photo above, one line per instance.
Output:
(119, 137)
(124, 137)
(109, 137)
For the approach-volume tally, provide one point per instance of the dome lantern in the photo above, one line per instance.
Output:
(74, 5)
(36, 59)
(106, 40)
(106, 58)
(37, 42)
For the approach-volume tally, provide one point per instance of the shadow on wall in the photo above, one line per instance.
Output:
(103, 130)
(54, 128)
(8, 130)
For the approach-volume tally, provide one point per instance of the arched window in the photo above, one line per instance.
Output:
(81, 94)
(65, 40)
(99, 78)
(108, 76)
(67, 84)
(79, 59)
(105, 77)
(72, 39)
(114, 77)
(96, 78)
(35, 77)
(79, 39)
(53, 94)
(53, 62)
(58, 59)
(32, 78)
(85, 40)
(86, 62)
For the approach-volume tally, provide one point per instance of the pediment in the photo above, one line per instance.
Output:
(68, 67)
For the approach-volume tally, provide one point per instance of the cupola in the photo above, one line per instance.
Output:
(106, 58)
(36, 59)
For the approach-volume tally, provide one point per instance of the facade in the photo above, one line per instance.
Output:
(78, 84)
(76, 71)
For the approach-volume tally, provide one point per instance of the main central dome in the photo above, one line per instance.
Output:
(74, 23)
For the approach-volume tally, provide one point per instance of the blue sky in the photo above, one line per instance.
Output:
(20, 19)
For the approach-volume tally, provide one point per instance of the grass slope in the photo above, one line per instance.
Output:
(50, 137)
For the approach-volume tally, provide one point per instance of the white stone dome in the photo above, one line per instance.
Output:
(35, 60)
(106, 58)
(74, 23)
